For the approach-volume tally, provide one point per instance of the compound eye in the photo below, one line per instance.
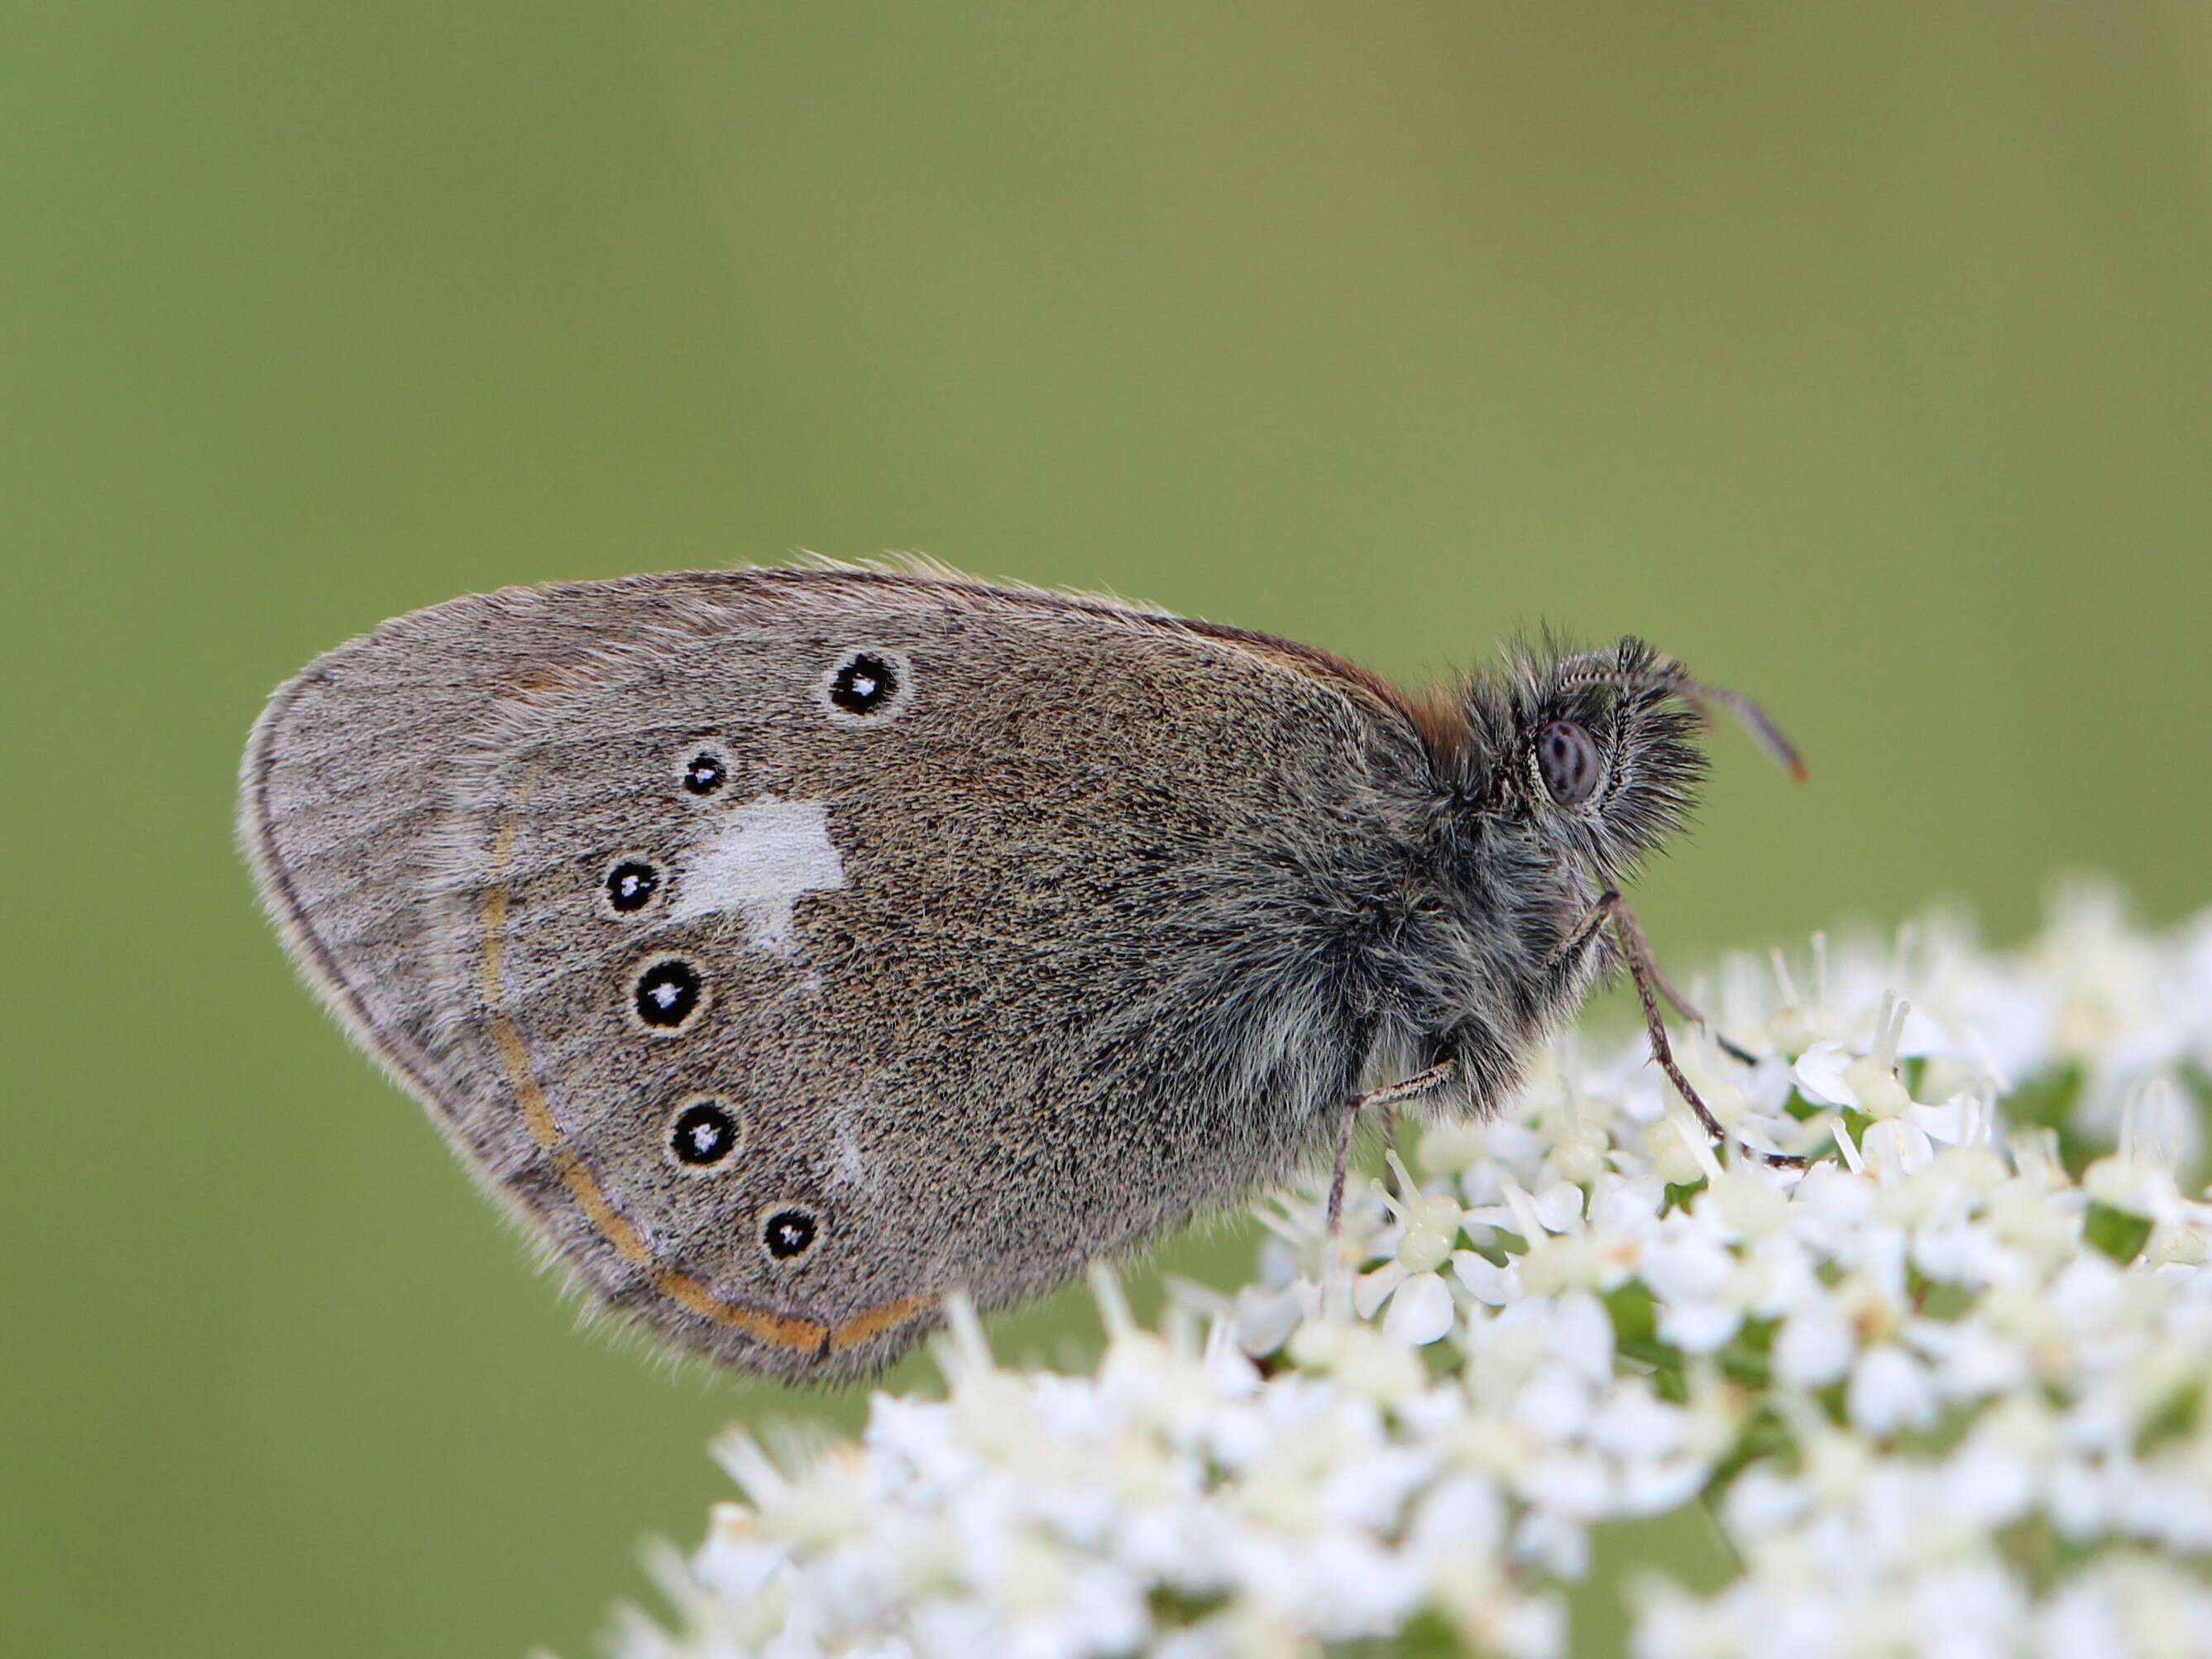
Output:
(1569, 756)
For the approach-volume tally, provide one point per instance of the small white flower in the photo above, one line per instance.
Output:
(1906, 1362)
(1895, 1147)
(1821, 1074)
(1890, 1390)
(1420, 1302)
(1814, 1346)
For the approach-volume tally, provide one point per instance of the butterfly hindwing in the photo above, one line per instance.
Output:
(792, 947)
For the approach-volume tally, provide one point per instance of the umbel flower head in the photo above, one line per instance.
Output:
(1942, 1393)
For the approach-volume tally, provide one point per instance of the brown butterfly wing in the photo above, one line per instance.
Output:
(792, 947)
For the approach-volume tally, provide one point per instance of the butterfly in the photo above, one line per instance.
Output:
(789, 948)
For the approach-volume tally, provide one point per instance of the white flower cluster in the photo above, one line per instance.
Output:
(1944, 1393)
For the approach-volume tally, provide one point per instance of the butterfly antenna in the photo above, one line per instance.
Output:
(1666, 677)
(1755, 718)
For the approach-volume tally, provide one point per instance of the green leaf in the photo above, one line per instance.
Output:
(1765, 1439)
(1634, 1312)
(2175, 1419)
(2048, 1101)
(1636, 1336)
(1939, 1437)
(1685, 1545)
(2041, 1554)
(1744, 1359)
(2119, 1234)
(1427, 1635)
(1172, 1609)
(1937, 1298)
(1946, 1300)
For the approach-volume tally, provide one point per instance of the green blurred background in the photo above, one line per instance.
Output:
(1862, 356)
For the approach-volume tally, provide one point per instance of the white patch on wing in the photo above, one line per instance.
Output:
(851, 1165)
(759, 861)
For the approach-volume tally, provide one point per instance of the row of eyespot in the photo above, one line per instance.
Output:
(864, 687)
(703, 1135)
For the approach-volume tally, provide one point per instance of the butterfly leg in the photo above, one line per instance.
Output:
(1587, 928)
(1636, 951)
(1607, 904)
(1389, 1096)
(1683, 1006)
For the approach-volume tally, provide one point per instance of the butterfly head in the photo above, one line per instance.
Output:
(1597, 752)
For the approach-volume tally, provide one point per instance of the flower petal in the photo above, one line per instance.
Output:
(1373, 1290)
(1420, 1312)
(1819, 1074)
(1485, 1282)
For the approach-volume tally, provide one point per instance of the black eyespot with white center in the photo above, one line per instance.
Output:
(864, 683)
(1568, 756)
(703, 1135)
(631, 885)
(867, 687)
(705, 773)
(788, 1232)
(667, 992)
